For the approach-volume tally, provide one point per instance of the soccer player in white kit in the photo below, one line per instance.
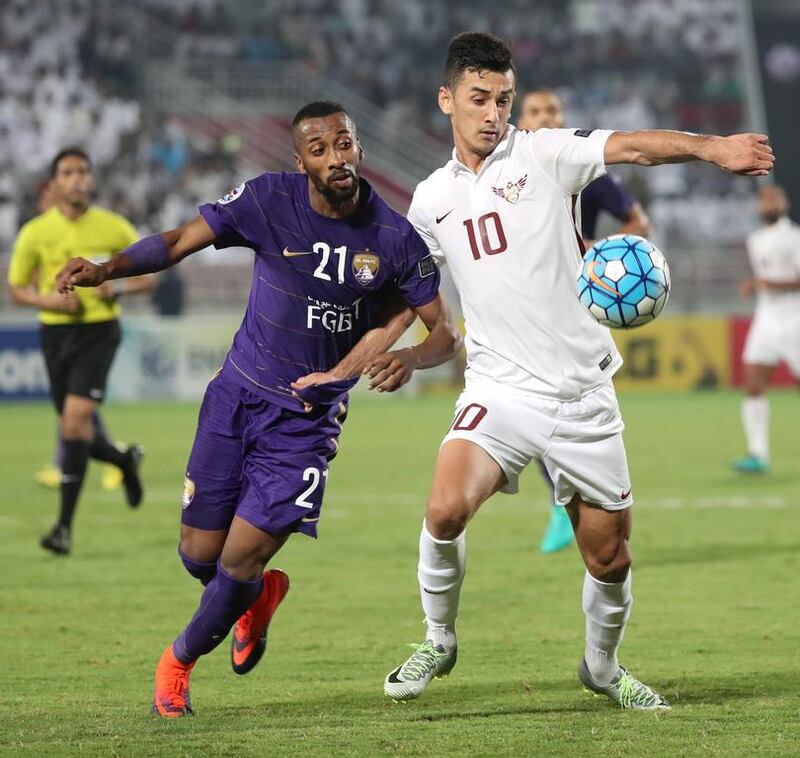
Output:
(774, 336)
(539, 367)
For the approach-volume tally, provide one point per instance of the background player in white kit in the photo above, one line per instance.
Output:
(538, 381)
(774, 335)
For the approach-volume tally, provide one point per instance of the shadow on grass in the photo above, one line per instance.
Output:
(737, 686)
(489, 699)
(712, 553)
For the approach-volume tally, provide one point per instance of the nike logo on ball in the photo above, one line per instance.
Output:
(596, 279)
(439, 219)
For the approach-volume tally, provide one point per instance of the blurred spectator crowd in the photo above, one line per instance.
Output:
(64, 70)
(69, 77)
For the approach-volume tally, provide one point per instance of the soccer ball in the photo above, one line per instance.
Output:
(624, 281)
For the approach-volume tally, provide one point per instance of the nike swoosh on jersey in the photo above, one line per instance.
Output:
(597, 280)
(625, 495)
(288, 254)
(439, 219)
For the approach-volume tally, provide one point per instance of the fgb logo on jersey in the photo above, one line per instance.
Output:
(365, 267)
(512, 189)
(332, 317)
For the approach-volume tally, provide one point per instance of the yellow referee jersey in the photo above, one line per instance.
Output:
(48, 241)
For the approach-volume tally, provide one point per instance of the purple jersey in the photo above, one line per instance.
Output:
(607, 193)
(318, 283)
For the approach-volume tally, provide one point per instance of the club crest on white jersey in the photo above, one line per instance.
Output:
(512, 189)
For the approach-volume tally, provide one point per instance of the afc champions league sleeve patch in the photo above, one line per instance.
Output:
(188, 492)
(427, 266)
(231, 195)
(583, 132)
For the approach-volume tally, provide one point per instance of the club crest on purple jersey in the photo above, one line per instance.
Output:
(365, 267)
(188, 492)
(512, 189)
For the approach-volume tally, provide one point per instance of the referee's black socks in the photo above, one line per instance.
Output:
(73, 471)
(102, 449)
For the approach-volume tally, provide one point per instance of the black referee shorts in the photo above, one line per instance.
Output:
(78, 358)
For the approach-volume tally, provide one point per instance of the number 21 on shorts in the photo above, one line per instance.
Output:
(313, 475)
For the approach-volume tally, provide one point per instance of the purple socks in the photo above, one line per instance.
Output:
(223, 601)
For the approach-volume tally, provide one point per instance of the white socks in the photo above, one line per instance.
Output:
(442, 564)
(607, 608)
(755, 419)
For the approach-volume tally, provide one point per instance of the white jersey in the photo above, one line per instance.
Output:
(774, 253)
(509, 236)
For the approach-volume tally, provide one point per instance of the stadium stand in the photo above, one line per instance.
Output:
(671, 63)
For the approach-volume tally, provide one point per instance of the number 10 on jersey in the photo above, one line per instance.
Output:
(490, 230)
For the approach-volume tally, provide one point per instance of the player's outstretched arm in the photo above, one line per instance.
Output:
(393, 321)
(744, 154)
(392, 370)
(389, 371)
(148, 255)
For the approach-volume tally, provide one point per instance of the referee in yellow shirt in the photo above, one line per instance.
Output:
(80, 332)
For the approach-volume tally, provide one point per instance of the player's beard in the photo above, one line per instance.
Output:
(771, 217)
(333, 195)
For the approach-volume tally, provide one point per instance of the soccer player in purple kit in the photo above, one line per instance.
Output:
(542, 109)
(330, 257)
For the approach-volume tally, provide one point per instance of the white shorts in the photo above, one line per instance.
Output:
(773, 338)
(580, 442)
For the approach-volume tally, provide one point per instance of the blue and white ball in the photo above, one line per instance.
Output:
(624, 281)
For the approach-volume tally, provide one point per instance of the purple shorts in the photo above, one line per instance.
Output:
(259, 461)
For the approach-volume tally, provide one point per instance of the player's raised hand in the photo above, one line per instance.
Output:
(744, 154)
(79, 273)
(390, 371)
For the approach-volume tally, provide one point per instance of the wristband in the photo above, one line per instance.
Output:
(148, 255)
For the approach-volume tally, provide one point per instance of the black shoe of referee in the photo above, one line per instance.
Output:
(59, 541)
(130, 475)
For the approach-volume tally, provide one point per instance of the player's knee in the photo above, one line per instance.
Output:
(244, 565)
(200, 545)
(611, 564)
(446, 517)
(202, 570)
(76, 427)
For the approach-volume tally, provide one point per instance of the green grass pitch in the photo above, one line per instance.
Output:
(715, 624)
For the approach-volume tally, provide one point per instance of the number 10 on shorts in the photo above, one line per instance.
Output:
(314, 476)
(469, 418)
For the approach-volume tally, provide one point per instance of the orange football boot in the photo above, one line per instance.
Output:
(171, 699)
(249, 639)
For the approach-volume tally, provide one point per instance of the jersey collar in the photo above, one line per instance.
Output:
(500, 151)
